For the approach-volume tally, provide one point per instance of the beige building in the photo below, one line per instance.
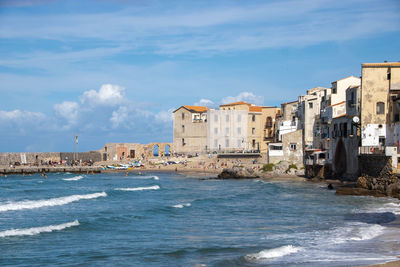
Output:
(290, 149)
(190, 129)
(288, 120)
(269, 124)
(380, 109)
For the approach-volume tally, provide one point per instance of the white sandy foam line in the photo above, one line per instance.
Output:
(38, 230)
(357, 232)
(181, 206)
(34, 204)
(155, 187)
(75, 178)
(272, 253)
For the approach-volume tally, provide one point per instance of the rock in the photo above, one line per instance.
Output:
(238, 173)
(362, 182)
(358, 192)
(393, 190)
(300, 172)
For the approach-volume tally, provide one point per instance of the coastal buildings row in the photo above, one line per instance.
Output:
(326, 127)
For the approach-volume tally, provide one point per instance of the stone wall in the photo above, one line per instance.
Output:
(84, 156)
(33, 158)
(375, 165)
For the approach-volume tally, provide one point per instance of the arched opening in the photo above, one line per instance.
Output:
(156, 151)
(340, 159)
(167, 150)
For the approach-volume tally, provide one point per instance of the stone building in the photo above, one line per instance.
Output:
(380, 109)
(135, 151)
(190, 129)
(290, 149)
(288, 120)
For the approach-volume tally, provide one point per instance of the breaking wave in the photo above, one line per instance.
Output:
(76, 178)
(38, 230)
(272, 253)
(146, 177)
(180, 206)
(34, 204)
(357, 233)
(155, 187)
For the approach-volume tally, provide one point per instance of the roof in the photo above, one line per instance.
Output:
(352, 76)
(255, 109)
(235, 104)
(289, 102)
(384, 64)
(194, 108)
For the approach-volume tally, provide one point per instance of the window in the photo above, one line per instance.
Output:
(216, 130)
(227, 131)
(253, 118)
(253, 130)
(380, 108)
(388, 76)
(226, 143)
(268, 123)
(215, 118)
(310, 105)
(239, 118)
(239, 130)
(382, 140)
(239, 143)
(183, 116)
(183, 128)
(227, 118)
(254, 143)
(293, 146)
(215, 142)
(334, 89)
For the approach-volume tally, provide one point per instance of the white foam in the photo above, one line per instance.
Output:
(146, 177)
(273, 253)
(75, 178)
(155, 187)
(357, 232)
(38, 230)
(181, 206)
(34, 204)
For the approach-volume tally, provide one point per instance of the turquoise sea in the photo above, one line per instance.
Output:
(166, 219)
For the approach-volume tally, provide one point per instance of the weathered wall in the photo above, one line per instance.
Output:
(375, 165)
(84, 156)
(194, 133)
(31, 157)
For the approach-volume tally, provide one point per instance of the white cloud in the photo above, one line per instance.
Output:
(119, 116)
(108, 95)
(205, 102)
(19, 116)
(165, 116)
(67, 110)
(246, 97)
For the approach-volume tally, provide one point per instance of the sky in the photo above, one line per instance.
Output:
(114, 70)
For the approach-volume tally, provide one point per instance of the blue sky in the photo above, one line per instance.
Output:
(113, 71)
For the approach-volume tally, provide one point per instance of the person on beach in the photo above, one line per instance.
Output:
(127, 173)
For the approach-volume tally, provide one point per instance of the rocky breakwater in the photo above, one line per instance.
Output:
(281, 169)
(238, 173)
(378, 182)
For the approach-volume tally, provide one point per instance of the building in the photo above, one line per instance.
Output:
(288, 121)
(269, 115)
(380, 109)
(190, 129)
(227, 130)
(309, 111)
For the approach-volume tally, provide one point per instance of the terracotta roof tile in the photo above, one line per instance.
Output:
(235, 104)
(255, 109)
(197, 108)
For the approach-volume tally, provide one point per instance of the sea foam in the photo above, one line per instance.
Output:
(181, 206)
(34, 204)
(145, 177)
(155, 187)
(273, 253)
(75, 178)
(38, 230)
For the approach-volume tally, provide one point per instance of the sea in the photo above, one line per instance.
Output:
(169, 219)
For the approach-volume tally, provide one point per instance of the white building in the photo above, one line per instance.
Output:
(227, 130)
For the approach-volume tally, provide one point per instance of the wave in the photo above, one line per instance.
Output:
(38, 230)
(34, 204)
(357, 233)
(146, 177)
(155, 187)
(180, 206)
(75, 178)
(273, 253)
